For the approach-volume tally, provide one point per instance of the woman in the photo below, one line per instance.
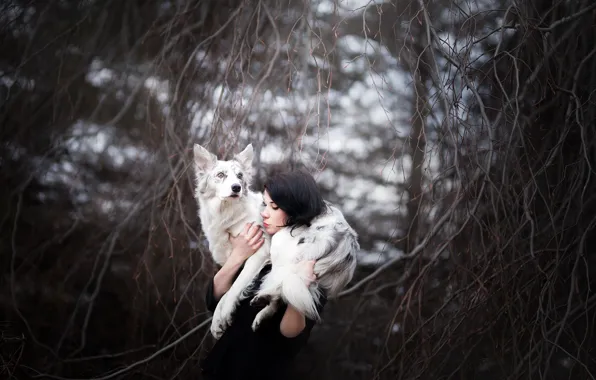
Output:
(291, 200)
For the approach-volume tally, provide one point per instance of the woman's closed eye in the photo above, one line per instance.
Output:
(273, 207)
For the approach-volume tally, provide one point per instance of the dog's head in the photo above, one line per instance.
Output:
(223, 179)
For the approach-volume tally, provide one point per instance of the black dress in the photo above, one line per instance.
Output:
(242, 354)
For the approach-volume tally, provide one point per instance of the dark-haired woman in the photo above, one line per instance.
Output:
(291, 199)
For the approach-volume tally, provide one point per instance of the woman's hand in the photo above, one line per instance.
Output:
(306, 269)
(243, 246)
(247, 242)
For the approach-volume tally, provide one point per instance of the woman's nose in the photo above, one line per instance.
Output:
(263, 214)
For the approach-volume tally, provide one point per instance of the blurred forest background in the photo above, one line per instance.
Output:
(458, 137)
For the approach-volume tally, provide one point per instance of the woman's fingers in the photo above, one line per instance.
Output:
(256, 237)
(252, 231)
(258, 244)
(246, 229)
(255, 229)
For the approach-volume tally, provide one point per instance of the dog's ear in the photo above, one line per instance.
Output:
(245, 157)
(204, 160)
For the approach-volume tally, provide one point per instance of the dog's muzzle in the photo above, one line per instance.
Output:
(236, 188)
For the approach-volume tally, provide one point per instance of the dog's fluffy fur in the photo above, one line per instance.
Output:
(329, 240)
(224, 212)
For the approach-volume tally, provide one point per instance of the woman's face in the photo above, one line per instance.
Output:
(274, 218)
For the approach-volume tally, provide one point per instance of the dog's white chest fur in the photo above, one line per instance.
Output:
(222, 218)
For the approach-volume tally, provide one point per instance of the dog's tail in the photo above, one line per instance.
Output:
(303, 298)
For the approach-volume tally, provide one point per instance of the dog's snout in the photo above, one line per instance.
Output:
(236, 188)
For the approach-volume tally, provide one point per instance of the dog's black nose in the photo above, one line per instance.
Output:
(236, 188)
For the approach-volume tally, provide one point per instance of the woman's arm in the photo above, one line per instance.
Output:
(222, 282)
(293, 321)
(223, 279)
(243, 246)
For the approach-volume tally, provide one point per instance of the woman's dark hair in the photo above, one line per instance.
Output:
(297, 193)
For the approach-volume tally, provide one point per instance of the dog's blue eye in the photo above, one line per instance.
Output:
(220, 175)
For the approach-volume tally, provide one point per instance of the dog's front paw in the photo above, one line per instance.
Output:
(217, 329)
(226, 310)
(260, 301)
(222, 318)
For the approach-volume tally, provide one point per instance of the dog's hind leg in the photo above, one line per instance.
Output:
(267, 312)
(222, 317)
(270, 287)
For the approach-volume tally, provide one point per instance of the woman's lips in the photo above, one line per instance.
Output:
(265, 225)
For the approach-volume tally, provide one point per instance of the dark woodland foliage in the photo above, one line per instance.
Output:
(103, 263)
